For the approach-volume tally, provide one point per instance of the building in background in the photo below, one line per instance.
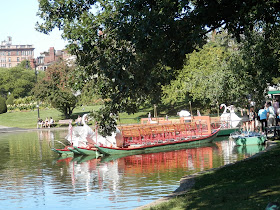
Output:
(49, 57)
(12, 55)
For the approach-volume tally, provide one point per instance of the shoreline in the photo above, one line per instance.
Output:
(187, 182)
(4, 129)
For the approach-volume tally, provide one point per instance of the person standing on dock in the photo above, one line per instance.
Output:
(271, 114)
(263, 115)
(252, 118)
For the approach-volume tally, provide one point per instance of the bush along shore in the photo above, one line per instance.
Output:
(253, 183)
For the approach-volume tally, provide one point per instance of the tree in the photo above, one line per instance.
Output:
(208, 77)
(261, 62)
(3, 106)
(25, 64)
(54, 88)
(16, 81)
(142, 38)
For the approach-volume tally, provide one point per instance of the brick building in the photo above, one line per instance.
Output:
(11, 55)
(49, 57)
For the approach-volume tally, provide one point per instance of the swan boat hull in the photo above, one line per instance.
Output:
(227, 131)
(64, 151)
(67, 151)
(161, 147)
(91, 152)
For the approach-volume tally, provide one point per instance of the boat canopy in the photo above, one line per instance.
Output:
(274, 92)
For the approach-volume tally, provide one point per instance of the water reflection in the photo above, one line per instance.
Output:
(32, 176)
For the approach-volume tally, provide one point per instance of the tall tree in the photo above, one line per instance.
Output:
(54, 88)
(140, 38)
(210, 75)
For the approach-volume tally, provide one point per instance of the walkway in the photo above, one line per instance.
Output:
(4, 129)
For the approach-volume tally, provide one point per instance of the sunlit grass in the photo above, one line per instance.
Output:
(28, 119)
(249, 184)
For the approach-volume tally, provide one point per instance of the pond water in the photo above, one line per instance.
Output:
(34, 177)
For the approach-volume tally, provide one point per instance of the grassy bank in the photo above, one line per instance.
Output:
(249, 184)
(28, 119)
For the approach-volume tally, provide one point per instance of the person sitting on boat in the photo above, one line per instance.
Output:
(271, 114)
(263, 116)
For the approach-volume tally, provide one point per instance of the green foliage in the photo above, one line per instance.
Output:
(3, 106)
(26, 103)
(16, 81)
(10, 100)
(54, 88)
(260, 53)
(210, 76)
(25, 64)
(89, 96)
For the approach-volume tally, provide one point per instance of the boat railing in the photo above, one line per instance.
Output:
(159, 133)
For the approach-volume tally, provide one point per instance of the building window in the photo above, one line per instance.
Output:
(17, 59)
(9, 53)
(9, 59)
(10, 65)
(17, 52)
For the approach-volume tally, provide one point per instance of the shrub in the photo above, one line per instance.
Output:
(10, 100)
(3, 106)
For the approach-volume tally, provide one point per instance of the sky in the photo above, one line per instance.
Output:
(18, 19)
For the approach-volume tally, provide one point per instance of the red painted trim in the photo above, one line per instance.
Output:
(162, 144)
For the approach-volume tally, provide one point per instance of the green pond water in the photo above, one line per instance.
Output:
(34, 177)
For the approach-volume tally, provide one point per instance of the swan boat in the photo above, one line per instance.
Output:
(78, 139)
(153, 138)
(228, 121)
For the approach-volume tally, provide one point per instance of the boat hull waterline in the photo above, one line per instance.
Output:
(158, 147)
(64, 151)
(90, 152)
(67, 151)
(254, 140)
(227, 131)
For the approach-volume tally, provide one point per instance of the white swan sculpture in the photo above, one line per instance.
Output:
(82, 135)
(229, 119)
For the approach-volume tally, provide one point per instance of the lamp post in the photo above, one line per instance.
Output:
(36, 73)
